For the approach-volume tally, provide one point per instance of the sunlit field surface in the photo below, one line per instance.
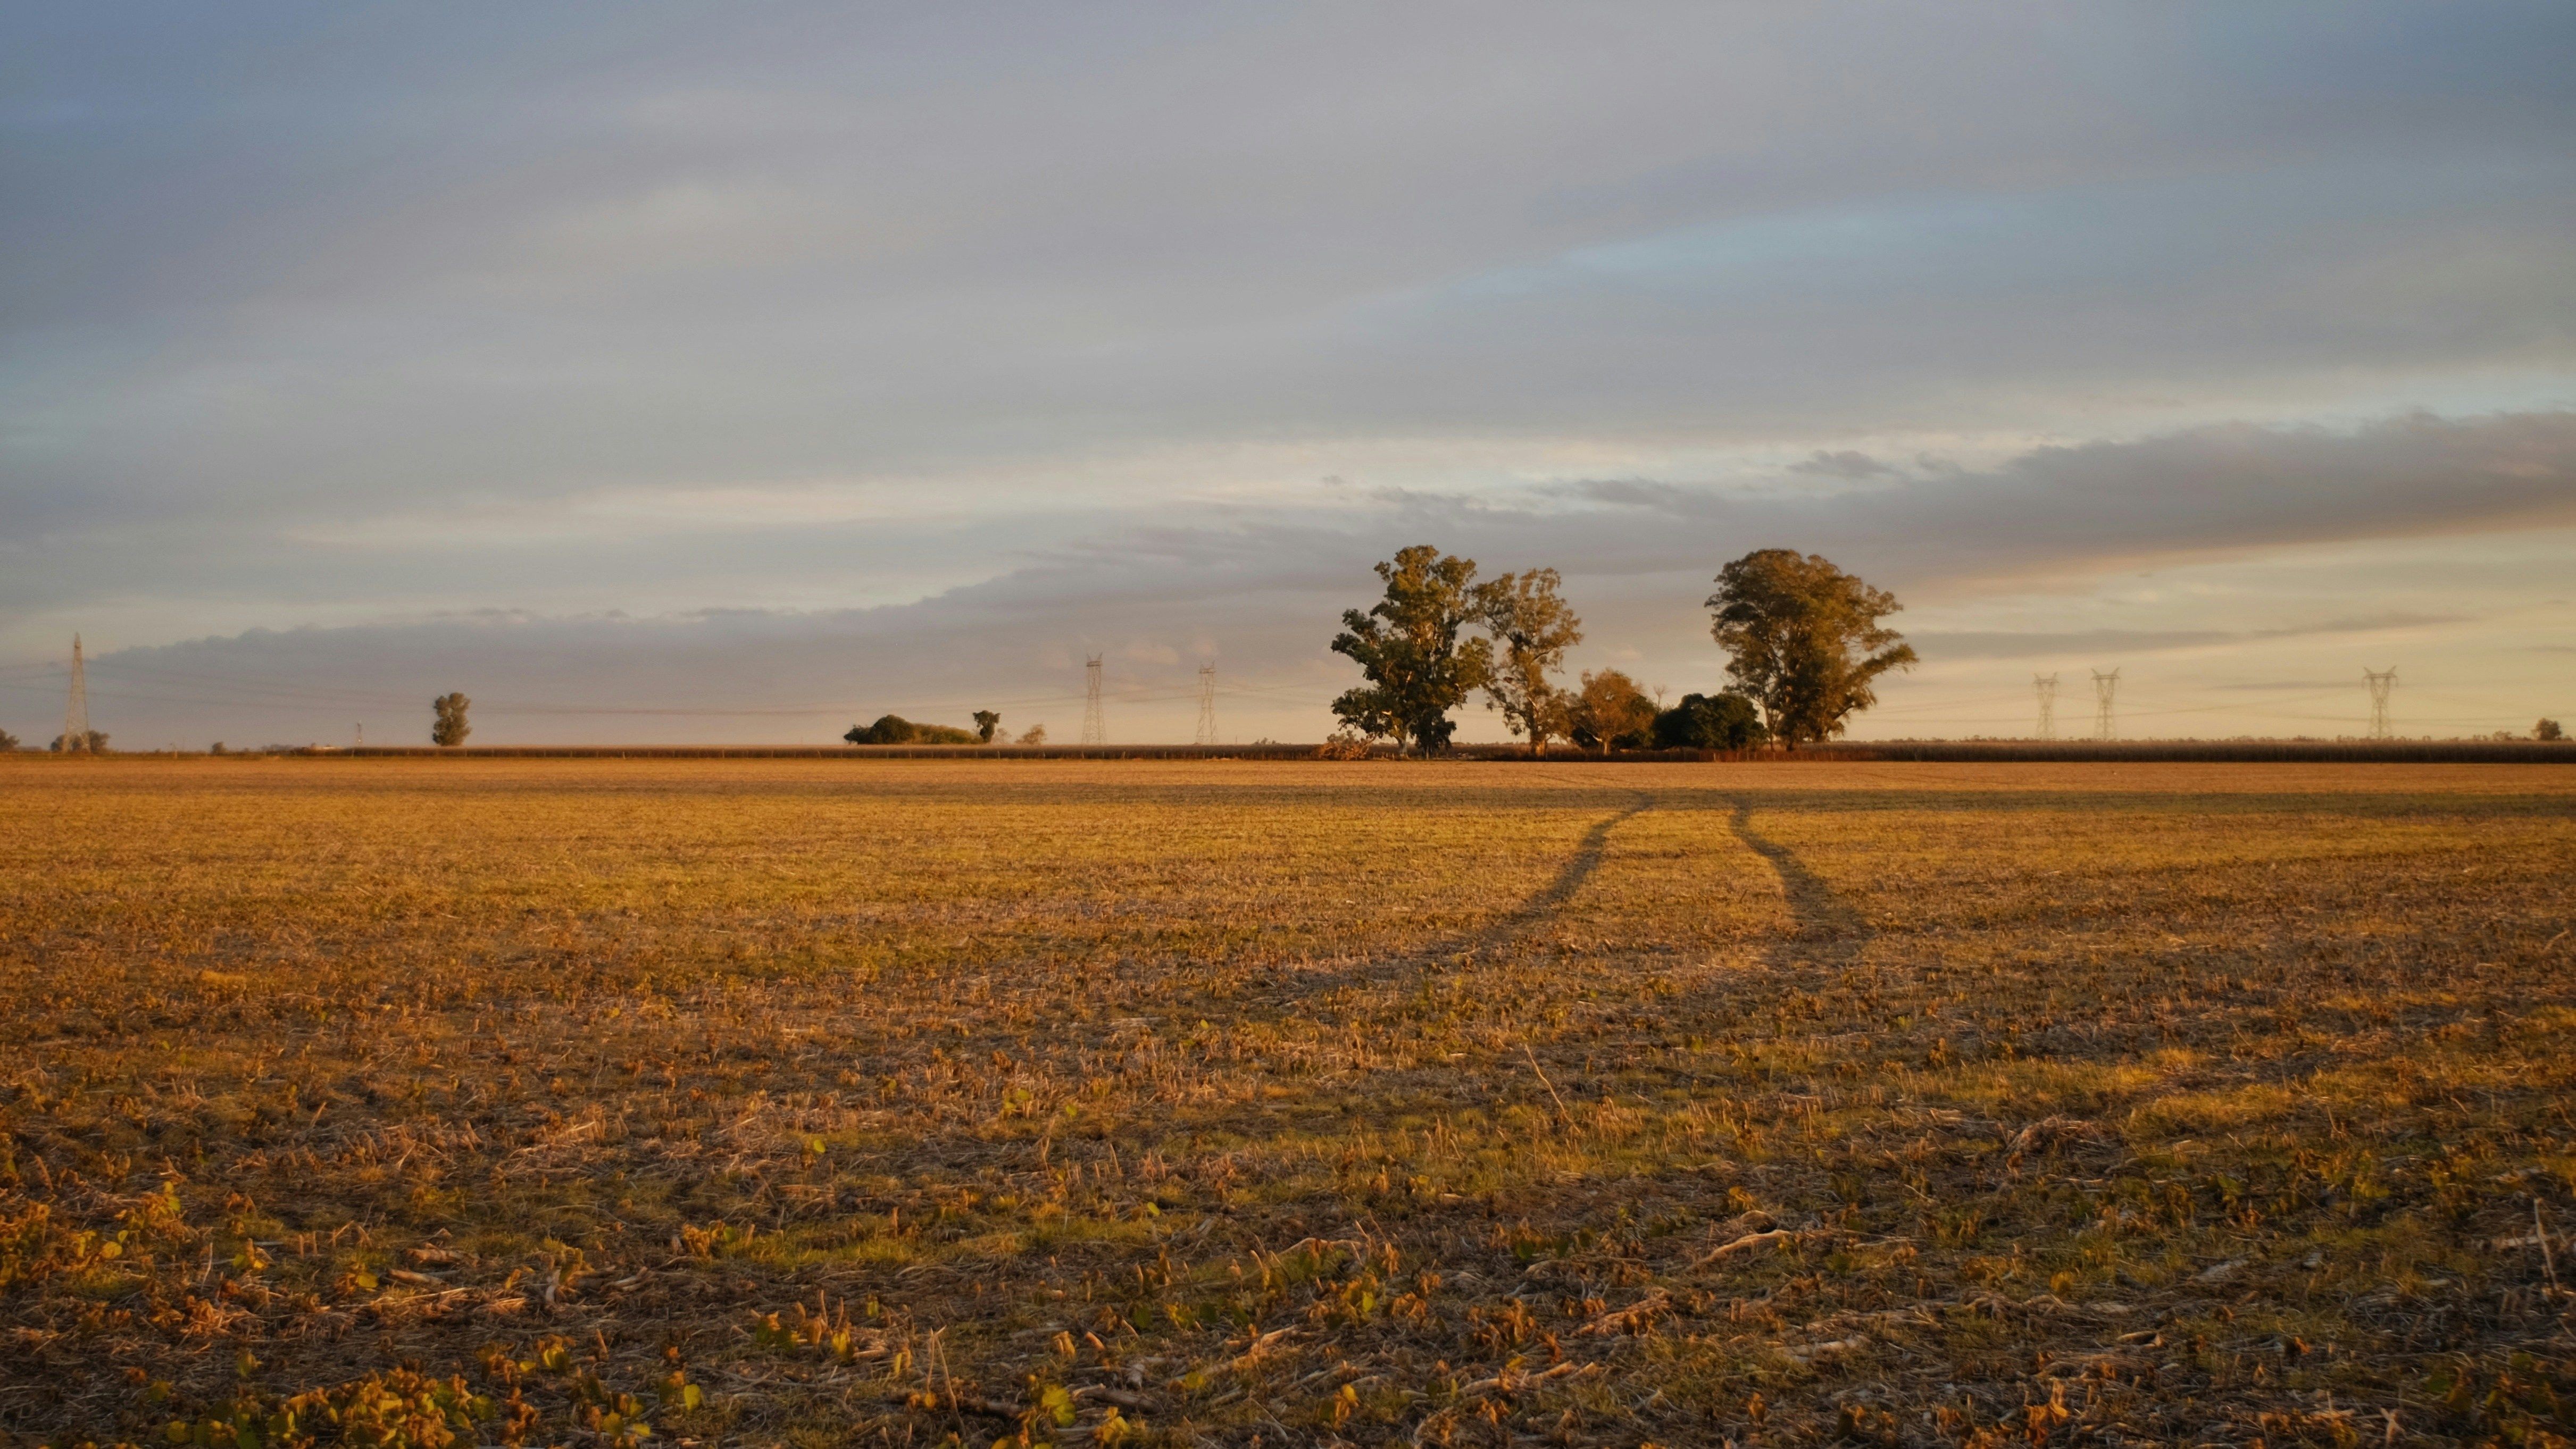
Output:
(821, 1102)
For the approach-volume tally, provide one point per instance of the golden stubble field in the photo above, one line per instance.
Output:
(423, 1102)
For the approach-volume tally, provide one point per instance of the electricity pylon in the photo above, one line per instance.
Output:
(1095, 730)
(1207, 705)
(2046, 685)
(2105, 687)
(2380, 684)
(76, 708)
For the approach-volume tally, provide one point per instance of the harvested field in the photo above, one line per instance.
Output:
(817, 1102)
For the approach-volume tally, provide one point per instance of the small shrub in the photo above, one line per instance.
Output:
(894, 729)
(1346, 744)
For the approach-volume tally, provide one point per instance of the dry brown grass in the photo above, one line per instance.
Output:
(789, 1102)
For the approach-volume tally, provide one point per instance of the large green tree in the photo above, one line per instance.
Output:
(1407, 646)
(1531, 628)
(1804, 640)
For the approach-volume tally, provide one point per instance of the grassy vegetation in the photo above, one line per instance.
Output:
(783, 1102)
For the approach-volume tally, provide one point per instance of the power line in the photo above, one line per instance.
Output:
(252, 695)
(2105, 688)
(1095, 729)
(76, 706)
(1919, 706)
(2380, 682)
(233, 691)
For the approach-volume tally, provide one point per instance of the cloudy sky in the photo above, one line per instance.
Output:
(661, 372)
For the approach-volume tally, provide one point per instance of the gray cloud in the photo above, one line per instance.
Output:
(1259, 595)
(2215, 489)
(293, 262)
(1848, 463)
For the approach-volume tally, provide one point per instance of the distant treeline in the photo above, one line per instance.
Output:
(894, 729)
(2465, 752)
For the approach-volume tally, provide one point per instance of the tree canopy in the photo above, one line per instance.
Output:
(1532, 628)
(986, 721)
(447, 726)
(1804, 640)
(1710, 722)
(1407, 646)
(1611, 713)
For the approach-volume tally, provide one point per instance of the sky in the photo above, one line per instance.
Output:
(696, 373)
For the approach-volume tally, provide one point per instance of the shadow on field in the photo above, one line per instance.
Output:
(1570, 877)
(1577, 869)
(1816, 912)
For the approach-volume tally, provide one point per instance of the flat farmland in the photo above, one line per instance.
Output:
(813, 1102)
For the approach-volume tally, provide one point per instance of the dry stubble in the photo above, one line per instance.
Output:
(819, 1102)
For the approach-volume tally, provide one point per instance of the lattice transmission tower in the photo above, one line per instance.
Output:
(1095, 729)
(2380, 684)
(2046, 687)
(2106, 687)
(76, 708)
(1207, 705)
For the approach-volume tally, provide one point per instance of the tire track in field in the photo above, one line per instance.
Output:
(1816, 911)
